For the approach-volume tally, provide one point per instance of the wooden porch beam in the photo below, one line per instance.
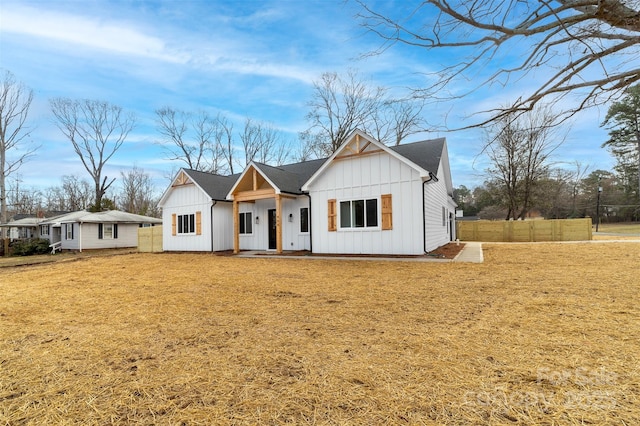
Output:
(278, 224)
(236, 227)
(254, 195)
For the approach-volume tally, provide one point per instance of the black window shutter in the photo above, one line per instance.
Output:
(115, 230)
(99, 231)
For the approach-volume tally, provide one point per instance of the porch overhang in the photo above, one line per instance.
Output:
(250, 187)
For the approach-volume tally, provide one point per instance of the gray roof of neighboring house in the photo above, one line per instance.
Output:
(109, 216)
(289, 178)
(23, 222)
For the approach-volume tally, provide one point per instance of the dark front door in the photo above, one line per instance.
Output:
(272, 229)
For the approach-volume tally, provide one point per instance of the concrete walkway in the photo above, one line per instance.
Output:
(471, 253)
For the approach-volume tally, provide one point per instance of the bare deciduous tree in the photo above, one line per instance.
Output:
(339, 106)
(23, 200)
(519, 150)
(188, 137)
(15, 100)
(137, 192)
(263, 143)
(224, 139)
(74, 194)
(587, 47)
(96, 129)
(201, 141)
(342, 104)
(396, 119)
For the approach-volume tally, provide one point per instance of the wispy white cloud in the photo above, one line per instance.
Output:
(89, 32)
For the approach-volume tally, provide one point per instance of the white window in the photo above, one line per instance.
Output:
(107, 231)
(186, 223)
(245, 223)
(69, 231)
(44, 230)
(359, 213)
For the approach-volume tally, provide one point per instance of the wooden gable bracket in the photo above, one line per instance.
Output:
(356, 148)
(182, 179)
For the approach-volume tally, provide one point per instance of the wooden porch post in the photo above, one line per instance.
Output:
(236, 227)
(278, 224)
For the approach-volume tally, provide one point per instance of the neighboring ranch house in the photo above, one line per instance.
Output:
(366, 198)
(83, 230)
(23, 228)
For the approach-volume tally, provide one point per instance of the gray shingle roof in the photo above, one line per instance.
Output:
(289, 178)
(108, 216)
(216, 186)
(425, 154)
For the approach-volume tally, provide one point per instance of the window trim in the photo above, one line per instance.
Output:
(244, 219)
(188, 219)
(102, 231)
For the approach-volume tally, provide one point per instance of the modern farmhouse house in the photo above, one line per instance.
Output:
(366, 198)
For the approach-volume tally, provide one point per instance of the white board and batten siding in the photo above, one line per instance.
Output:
(292, 238)
(366, 177)
(222, 226)
(186, 200)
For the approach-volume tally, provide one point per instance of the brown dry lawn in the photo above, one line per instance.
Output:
(538, 334)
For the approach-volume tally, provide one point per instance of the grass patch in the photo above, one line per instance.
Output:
(620, 228)
(538, 334)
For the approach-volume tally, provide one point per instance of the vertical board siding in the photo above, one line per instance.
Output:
(222, 226)
(292, 238)
(361, 177)
(188, 199)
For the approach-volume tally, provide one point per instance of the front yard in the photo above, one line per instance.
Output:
(538, 333)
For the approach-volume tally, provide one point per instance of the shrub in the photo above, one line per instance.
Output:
(30, 247)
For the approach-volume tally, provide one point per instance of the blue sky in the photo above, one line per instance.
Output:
(249, 58)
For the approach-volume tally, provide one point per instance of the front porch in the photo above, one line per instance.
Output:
(258, 202)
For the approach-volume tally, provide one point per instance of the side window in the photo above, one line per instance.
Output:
(246, 225)
(359, 213)
(304, 219)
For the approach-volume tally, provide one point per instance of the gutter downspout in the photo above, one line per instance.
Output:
(424, 216)
(213, 203)
(310, 227)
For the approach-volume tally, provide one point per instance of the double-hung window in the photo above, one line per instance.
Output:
(107, 231)
(359, 213)
(245, 223)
